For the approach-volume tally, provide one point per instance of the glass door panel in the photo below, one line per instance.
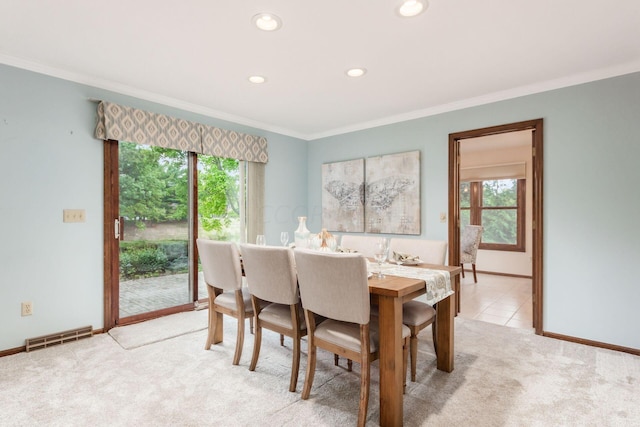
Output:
(219, 203)
(154, 224)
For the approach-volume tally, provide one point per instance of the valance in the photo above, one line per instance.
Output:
(491, 172)
(122, 123)
(227, 143)
(129, 124)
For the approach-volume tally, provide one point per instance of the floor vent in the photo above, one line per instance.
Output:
(58, 338)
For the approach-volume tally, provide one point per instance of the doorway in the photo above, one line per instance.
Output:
(148, 232)
(455, 139)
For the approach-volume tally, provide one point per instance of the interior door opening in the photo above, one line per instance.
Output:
(535, 129)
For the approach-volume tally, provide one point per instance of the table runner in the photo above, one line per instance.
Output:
(438, 282)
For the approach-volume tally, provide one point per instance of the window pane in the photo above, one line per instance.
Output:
(465, 194)
(465, 217)
(218, 198)
(500, 192)
(500, 226)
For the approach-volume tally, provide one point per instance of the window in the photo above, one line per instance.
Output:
(499, 206)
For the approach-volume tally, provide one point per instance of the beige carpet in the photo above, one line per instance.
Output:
(503, 377)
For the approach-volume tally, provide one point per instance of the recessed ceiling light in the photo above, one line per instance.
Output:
(267, 21)
(409, 8)
(356, 72)
(257, 79)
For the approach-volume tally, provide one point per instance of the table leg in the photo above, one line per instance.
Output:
(445, 332)
(391, 369)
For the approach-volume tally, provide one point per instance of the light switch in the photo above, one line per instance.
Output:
(73, 215)
(443, 217)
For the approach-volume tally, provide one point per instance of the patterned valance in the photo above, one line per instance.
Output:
(227, 143)
(122, 123)
(132, 125)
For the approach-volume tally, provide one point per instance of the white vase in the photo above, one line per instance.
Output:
(302, 233)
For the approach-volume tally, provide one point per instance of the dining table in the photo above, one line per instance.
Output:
(398, 285)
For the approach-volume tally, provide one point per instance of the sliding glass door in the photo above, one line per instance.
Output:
(157, 202)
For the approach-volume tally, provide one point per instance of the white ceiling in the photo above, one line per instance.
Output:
(197, 54)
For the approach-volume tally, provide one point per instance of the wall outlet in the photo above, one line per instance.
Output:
(73, 215)
(27, 308)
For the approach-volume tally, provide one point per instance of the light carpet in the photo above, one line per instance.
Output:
(502, 377)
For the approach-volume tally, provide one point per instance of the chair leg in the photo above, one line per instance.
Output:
(251, 324)
(295, 365)
(257, 342)
(311, 369)
(336, 358)
(311, 354)
(349, 365)
(475, 278)
(413, 345)
(213, 317)
(239, 341)
(434, 335)
(462, 272)
(405, 356)
(281, 340)
(365, 376)
(212, 328)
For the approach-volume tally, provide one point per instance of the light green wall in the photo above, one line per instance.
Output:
(591, 201)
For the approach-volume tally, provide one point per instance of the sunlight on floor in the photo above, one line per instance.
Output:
(497, 299)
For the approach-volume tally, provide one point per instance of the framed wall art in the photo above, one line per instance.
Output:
(392, 193)
(343, 196)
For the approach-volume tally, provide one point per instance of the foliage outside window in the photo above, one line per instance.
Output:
(499, 206)
(154, 194)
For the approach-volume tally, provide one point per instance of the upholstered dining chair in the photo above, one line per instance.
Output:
(273, 285)
(335, 286)
(223, 275)
(417, 315)
(429, 251)
(469, 241)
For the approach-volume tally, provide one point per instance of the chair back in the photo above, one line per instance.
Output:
(270, 273)
(334, 285)
(429, 251)
(365, 245)
(469, 242)
(220, 264)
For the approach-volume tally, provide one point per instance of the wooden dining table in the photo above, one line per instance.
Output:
(389, 293)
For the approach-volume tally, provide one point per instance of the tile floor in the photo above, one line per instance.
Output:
(497, 299)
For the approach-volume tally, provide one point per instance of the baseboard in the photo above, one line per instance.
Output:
(634, 351)
(499, 274)
(11, 351)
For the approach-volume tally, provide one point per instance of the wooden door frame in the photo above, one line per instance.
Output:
(537, 235)
(111, 267)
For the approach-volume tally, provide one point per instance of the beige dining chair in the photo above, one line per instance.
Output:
(429, 251)
(223, 276)
(469, 242)
(365, 245)
(335, 286)
(273, 286)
